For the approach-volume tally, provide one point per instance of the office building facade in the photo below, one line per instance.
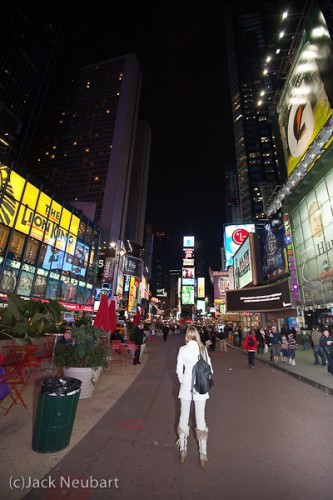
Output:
(85, 143)
(31, 38)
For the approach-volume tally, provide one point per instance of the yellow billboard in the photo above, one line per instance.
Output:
(32, 211)
(306, 101)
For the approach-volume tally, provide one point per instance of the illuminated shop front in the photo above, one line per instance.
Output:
(48, 249)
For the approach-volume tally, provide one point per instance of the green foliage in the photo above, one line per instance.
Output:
(131, 333)
(87, 351)
(26, 319)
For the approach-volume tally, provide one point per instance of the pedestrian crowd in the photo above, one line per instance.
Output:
(281, 345)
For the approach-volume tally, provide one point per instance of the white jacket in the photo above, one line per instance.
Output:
(186, 359)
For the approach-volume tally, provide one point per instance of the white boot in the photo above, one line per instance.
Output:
(293, 363)
(290, 361)
(182, 442)
(202, 439)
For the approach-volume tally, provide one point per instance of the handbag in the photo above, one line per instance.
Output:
(202, 378)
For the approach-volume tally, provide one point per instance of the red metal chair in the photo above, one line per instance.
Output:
(11, 383)
(118, 353)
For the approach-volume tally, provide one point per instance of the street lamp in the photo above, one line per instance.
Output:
(119, 254)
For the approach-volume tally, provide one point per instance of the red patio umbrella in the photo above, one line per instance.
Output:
(102, 319)
(112, 316)
(137, 318)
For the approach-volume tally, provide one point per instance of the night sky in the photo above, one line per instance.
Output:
(185, 99)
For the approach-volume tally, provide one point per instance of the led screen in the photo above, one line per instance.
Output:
(234, 237)
(187, 295)
(305, 105)
(188, 241)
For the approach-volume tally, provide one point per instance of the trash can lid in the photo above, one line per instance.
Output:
(60, 386)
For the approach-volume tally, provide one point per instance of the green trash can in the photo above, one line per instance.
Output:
(56, 410)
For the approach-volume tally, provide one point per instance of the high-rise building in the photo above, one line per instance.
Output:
(85, 143)
(261, 45)
(136, 213)
(254, 147)
(31, 37)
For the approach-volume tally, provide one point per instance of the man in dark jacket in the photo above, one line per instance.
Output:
(326, 343)
(138, 339)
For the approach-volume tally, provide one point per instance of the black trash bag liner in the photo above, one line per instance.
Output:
(60, 386)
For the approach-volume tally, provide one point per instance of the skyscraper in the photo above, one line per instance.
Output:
(84, 146)
(254, 147)
(31, 37)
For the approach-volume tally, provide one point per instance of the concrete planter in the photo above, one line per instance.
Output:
(88, 377)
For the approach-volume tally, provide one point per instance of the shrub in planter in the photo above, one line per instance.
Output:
(23, 319)
(85, 351)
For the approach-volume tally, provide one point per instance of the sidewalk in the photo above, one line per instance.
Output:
(19, 460)
(305, 370)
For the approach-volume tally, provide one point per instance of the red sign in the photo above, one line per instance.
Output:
(239, 236)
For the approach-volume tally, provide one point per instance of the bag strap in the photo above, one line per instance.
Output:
(192, 385)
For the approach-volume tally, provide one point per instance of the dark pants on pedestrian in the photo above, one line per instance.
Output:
(137, 353)
(318, 353)
(329, 361)
(250, 355)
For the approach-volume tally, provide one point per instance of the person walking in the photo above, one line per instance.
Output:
(261, 337)
(326, 342)
(275, 341)
(292, 346)
(138, 339)
(222, 335)
(317, 349)
(165, 330)
(250, 345)
(186, 359)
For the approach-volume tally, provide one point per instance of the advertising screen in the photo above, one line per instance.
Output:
(50, 223)
(234, 237)
(188, 241)
(273, 251)
(243, 265)
(312, 221)
(188, 253)
(201, 288)
(201, 307)
(221, 284)
(187, 295)
(188, 276)
(259, 299)
(305, 105)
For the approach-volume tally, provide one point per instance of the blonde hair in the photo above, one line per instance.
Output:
(193, 334)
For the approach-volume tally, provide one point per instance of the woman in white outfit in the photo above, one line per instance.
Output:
(187, 358)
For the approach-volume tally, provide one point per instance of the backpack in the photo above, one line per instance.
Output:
(250, 342)
(202, 379)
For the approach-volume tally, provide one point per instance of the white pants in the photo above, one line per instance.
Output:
(185, 407)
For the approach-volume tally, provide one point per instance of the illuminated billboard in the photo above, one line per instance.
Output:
(273, 251)
(275, 297)
(311, 216)
(188, 253)
(50, 223)
(187, 295)
(221, 284)
(44, 257)
(305, 106)
(201, 307)
(234, 237)
(245, 263)
(188, 241)
(201, 288)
